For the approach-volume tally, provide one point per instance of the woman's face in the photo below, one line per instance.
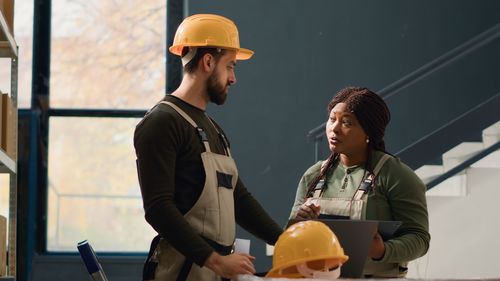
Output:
(345, 134)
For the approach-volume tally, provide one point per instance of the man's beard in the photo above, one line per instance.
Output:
(216, 91)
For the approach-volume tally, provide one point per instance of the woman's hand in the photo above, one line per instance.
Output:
(377, 250)
(308, 210)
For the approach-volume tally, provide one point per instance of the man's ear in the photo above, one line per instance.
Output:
(208, 62)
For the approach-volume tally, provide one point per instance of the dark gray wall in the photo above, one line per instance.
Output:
(306, 50)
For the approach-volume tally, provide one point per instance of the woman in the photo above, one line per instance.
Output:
(360, 180)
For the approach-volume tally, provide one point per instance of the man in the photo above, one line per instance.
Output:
(191, 191)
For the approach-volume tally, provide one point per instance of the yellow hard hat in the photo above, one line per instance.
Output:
(206, 30)
(307, 243)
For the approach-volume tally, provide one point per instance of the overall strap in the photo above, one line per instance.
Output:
(222, 136)
(201, 133)
(369, 181)
(320, 186)
(149, 269)
(363, 188)
(381, 163)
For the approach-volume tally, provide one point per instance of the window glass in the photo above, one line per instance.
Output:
(94, 193)
(107, 54)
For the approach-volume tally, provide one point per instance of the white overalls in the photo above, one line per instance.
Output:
(212, 216)
(355, 208)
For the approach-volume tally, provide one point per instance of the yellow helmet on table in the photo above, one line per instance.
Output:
(308, 249)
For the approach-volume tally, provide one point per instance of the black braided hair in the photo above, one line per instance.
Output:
(373, 115)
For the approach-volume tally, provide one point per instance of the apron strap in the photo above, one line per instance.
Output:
(185, 269)
(318, 190)
(149, 269)
(369, 181)
(181, 112)
(381, 163)
(201, 133)
(226, 143)
(320, 186)
(365, 185)
(222, 137)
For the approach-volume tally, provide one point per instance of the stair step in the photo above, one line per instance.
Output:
(455, 186)
(491, 135)
(428, 172)
(492, 160)
(460, 153)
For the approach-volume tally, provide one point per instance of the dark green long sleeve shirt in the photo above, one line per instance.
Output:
(398, 195)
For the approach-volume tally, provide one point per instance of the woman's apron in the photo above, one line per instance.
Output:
(355, 208)
(212, 216)
(349, 208)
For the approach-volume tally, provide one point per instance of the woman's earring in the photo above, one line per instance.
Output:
(367, 140)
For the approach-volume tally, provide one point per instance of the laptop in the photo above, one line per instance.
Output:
(356, 237)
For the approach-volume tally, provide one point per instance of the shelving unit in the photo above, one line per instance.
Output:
(9, 50)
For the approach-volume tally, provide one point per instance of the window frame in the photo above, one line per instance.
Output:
(41, 112)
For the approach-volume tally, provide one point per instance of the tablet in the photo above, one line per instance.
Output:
(388, 228)
(385, 228)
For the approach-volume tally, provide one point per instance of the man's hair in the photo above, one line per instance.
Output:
(191, 66)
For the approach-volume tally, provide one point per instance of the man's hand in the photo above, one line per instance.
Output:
(231, 265)
(308, 210)
(377, 250)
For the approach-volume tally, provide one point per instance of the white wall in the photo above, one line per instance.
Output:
(465, 230)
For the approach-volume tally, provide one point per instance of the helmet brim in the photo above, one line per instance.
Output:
(274, 272)
(242, 53)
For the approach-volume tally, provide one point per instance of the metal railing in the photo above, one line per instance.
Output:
(462, 166)
(451, 134)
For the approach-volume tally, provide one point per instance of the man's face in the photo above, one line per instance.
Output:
(222, 78)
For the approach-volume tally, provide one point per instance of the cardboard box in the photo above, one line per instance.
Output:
(3, 125)
(7, 9)
(11, 138)
(3, 245)
(1, 120)
(9, 125)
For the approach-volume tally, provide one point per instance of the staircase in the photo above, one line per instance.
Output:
(477, 154)
(463, 190)
(464, 223)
